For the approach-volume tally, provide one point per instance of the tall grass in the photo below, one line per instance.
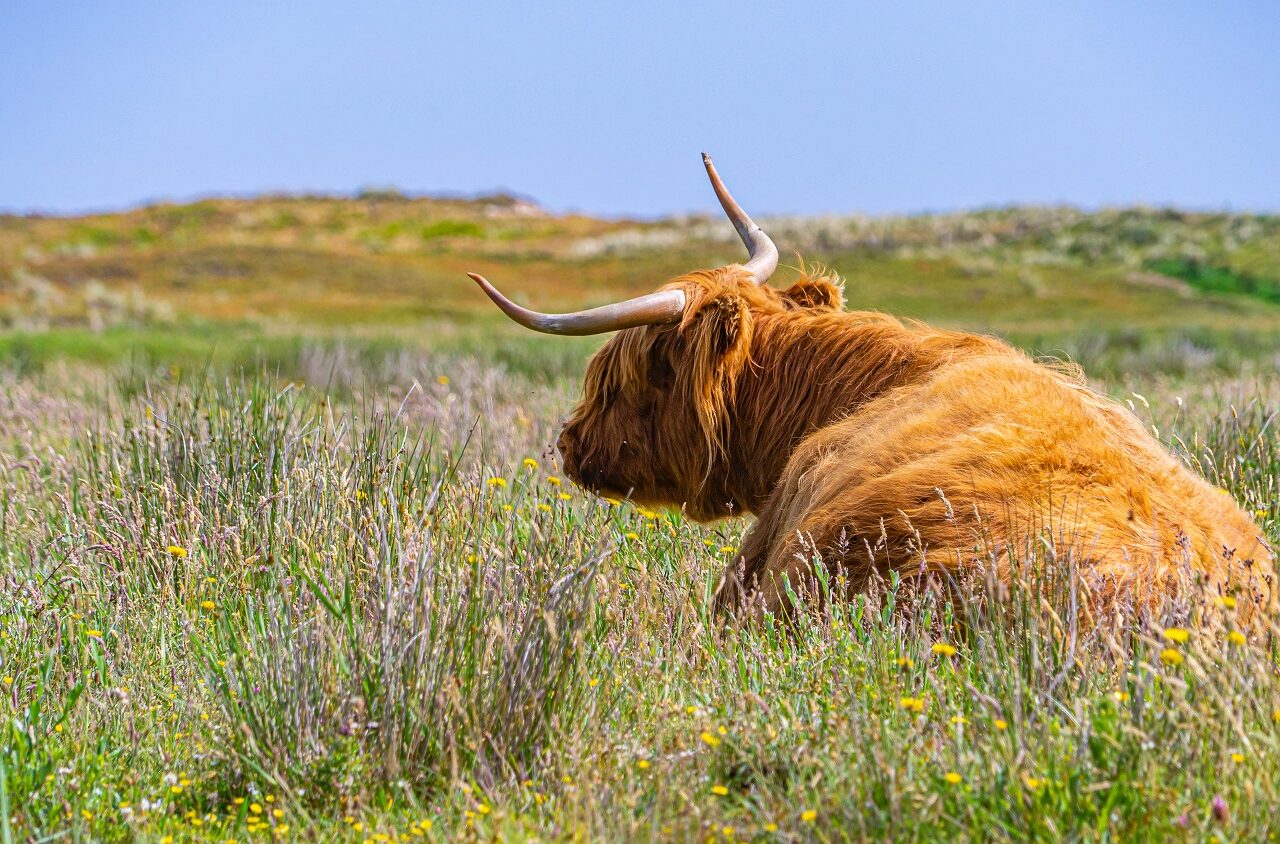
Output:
(251, 608)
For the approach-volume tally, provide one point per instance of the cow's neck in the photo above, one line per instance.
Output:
(808, 372)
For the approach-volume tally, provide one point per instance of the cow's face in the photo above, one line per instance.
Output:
(636, 432)
(610, 442)
(656, 419)
(652, 415)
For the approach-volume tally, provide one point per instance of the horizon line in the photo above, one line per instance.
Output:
(503, 193)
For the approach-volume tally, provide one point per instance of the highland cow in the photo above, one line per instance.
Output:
(873, 445)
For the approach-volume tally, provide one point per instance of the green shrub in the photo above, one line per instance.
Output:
(1214, 279)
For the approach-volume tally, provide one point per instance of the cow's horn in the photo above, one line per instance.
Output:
(663, 306)
(764, 255)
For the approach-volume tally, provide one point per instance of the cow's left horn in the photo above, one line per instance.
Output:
(764, 255)
(653, 308)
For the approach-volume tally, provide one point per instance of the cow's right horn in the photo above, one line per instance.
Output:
(650, 309)
(764, 255)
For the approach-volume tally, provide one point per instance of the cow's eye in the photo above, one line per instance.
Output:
(661, 375)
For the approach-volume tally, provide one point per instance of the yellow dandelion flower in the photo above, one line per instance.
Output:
(8, 681)
(255, 808)
(1120, 696)
(546, 508)
(642, 764)
(497, 483)
(709, 739)
(1177, 634)
(1235, 637)
(632, 535)
(564, 496)
(1171, 657)
(282, 829)
(208, 605)
(1225, 602)
(809, 816)
(175, 789)
(728, 549)
(593, 682)
(95, 634)
(960, 720)
(1032, 783)
(727, 831)
(953, 777)
(912, 704)
(442, 380)
(425, 824)
(906, 662)
(720, 790)
(1237, 757)
(530, 463)
(553, 480)
(483, 809)
(86, 814)
(944, 649)
(771, 827)
(277, 813)
(177, 551)
(566, 779)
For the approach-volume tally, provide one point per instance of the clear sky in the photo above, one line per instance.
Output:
(604, 106)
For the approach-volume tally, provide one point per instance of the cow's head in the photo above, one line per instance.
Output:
(656, 411)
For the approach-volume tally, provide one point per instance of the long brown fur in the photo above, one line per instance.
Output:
(877, 445)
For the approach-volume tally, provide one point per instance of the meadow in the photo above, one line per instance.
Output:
(285, 552)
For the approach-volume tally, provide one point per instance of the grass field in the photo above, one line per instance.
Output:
(285, 553)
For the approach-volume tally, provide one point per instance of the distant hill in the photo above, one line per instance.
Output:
(381, 260)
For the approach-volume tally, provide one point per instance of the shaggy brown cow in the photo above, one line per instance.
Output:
(878, 445)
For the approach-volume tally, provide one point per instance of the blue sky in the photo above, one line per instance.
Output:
(604, 107)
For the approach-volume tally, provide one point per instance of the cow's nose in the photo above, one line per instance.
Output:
(565, 443)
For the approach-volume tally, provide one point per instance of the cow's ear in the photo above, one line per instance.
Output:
(820, 291)
(718, 326)
(716, 333)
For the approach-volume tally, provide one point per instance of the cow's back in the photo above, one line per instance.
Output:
(995, 458)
